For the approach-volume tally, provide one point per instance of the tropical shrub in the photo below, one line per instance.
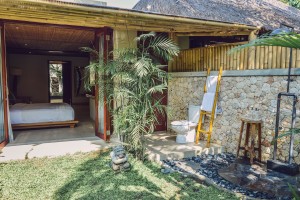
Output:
(130, 83)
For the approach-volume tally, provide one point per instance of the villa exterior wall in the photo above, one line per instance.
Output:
(238, 94)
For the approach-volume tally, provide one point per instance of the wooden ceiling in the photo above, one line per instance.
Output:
(48, 38)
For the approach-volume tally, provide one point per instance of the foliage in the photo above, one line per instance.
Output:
(294, 192)
(134, 82)
(87, 176)
(291, 40)
(294, 3)
(292, 131)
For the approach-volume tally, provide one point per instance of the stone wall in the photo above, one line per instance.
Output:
(237, 95)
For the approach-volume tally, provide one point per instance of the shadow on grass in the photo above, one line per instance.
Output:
(95, 180)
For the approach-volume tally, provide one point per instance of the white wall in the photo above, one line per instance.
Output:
(34, 79)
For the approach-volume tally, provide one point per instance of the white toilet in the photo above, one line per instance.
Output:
(185, 129)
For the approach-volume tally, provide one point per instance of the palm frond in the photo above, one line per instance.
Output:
(290, 132)
(145, 36)
(290, 40)
(164, 48)
(142, 66)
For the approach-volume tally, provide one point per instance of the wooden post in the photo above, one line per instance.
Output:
(4, 85)
(251, 60)
(172, 64)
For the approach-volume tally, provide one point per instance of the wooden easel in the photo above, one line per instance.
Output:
(211, 114)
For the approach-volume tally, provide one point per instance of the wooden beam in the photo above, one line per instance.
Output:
(223, 33)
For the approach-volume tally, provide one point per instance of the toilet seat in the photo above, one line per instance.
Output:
(183, 123)
(185, 129)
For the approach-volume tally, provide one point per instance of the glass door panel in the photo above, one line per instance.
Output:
(2, 129)
(101, 101)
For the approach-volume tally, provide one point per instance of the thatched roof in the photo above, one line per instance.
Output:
(266, 13)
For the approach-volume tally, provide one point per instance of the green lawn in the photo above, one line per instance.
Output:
(87, 176)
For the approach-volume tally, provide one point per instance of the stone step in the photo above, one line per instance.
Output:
(163, 146)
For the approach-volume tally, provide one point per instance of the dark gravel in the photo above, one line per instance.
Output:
(208, 166)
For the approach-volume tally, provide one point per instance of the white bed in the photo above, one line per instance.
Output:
(42, 115)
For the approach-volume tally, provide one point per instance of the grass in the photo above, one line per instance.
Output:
(88, 176)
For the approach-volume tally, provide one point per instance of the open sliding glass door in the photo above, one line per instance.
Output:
(103, 40)
(3, 91)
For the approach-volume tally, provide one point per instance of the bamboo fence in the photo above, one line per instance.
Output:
(216, 56)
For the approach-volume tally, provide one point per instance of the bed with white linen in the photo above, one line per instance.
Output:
(41, 115)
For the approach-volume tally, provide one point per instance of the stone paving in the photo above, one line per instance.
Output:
(236, 176)
(257, 177)
(162, 146)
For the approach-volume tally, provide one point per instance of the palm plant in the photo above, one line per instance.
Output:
(291, 40)
(130, 83)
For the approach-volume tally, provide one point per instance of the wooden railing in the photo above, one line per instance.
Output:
(199, 59)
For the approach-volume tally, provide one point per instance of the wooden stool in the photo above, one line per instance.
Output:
(252, 128)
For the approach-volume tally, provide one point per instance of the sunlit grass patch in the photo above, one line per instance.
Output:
(88, 176)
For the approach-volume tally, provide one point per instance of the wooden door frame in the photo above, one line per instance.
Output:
(107, 119)
(4, 86)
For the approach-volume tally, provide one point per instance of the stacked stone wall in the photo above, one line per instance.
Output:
(238, 95)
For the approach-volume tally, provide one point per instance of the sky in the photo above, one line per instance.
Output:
(121, 3)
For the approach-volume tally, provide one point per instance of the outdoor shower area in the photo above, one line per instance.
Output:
(251, 81)
(247, 103)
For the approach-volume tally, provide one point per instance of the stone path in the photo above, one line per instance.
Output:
(54, 148)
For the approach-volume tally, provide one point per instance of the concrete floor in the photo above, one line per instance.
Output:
(162, 146)
(36, 136)
(54, 148)
(52, 142)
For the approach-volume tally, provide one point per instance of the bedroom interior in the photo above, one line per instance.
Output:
(32, 51)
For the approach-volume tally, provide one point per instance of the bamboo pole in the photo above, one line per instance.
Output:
(274, 56)
(270, 57)
(262, 56)
(242, 53)
(287, 60)
(252, 36)
(266, 57)
(298, 59)
(205, 58)
(245, 59)
(210, 58)
(283, 58)
(294, 56)
(229, 59)
(278, 57)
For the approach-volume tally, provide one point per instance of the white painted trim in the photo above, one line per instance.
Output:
(241, 73)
